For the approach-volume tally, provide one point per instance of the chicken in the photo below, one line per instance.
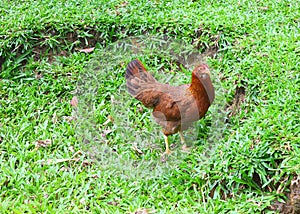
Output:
(175, 108)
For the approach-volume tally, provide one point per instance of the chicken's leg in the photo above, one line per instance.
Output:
(184, 146)
(168, 151)
(181, 137)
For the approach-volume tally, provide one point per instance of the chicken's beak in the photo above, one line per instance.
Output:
(205, 66)
(204, 69)
(201, 69)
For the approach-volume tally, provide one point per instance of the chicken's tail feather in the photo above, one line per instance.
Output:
(136, 76)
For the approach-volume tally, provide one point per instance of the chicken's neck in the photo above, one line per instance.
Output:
(202, 88)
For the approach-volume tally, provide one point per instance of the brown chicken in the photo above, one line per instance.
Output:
(175, 108)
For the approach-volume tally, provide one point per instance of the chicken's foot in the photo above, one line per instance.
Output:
(184, 146)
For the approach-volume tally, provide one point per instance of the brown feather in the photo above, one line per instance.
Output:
(174, 107)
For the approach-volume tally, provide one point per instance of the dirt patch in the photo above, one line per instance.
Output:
(293, 203)
(1, 62)
(239, 98)
(66, 44)
(42, 46)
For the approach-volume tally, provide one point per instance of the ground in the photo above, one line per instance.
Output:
(247, 163)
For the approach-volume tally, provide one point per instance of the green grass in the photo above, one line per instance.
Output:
(250, 166)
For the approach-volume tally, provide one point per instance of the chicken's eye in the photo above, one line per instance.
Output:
(204, 76)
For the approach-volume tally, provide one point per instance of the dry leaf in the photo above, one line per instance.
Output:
(140, 109)
(264, 8)
(144, 211)
(54, 118)
(72, 159)
(74, 101)
(106, 132)
(56, 161)
(77, 153)
(69, 118)
(86, 50)
(123, 4)
(114, 203)
(38, 75)
(82, 201)
(71, 148)
(109, 119)
(64, 169)
(94, 176)
(43, 143)
(135, 148)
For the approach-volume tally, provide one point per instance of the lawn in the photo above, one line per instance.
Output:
(72, 140)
